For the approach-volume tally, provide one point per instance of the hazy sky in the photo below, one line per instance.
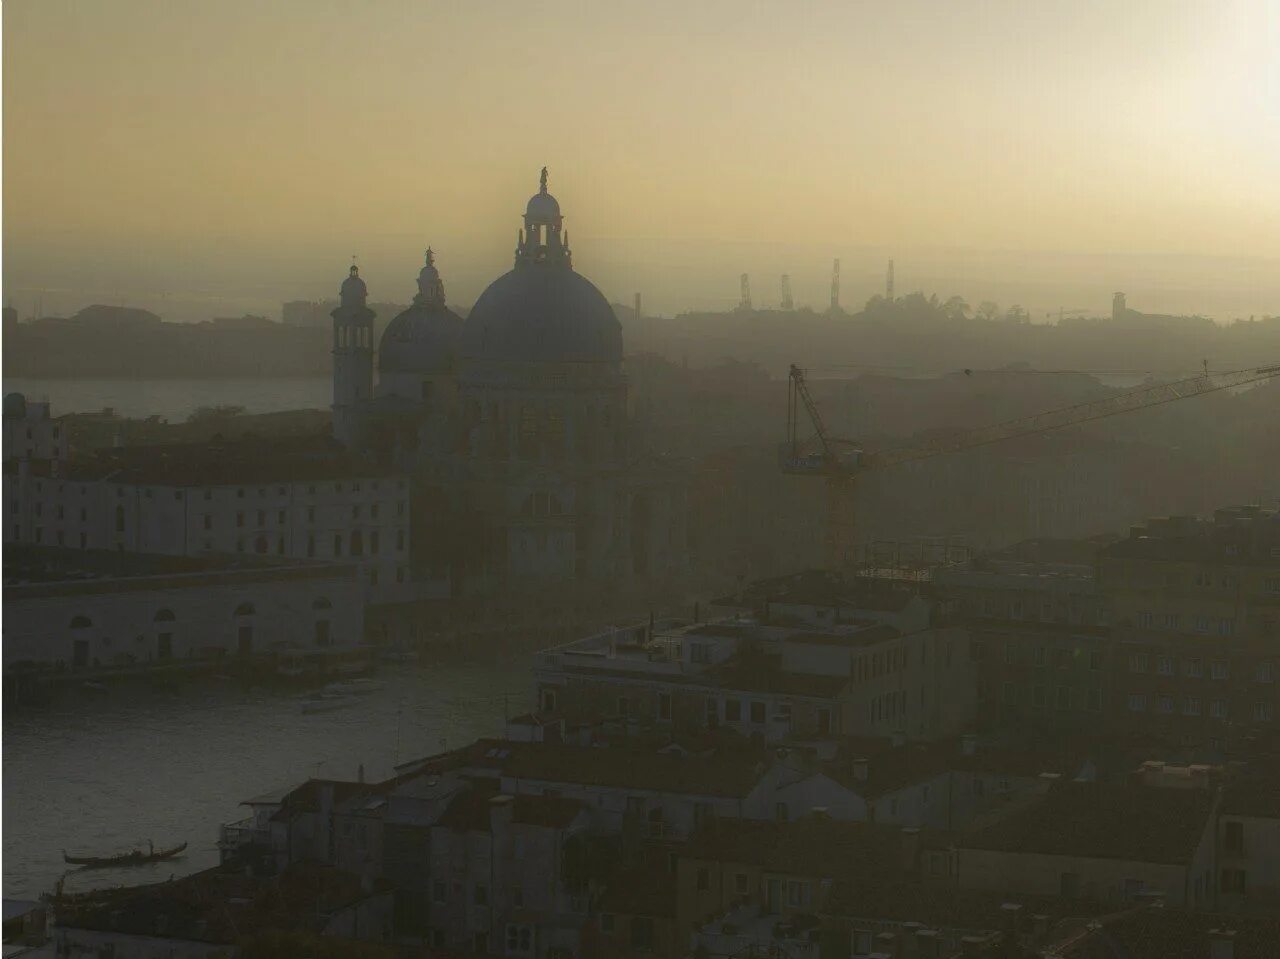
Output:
(239, 152)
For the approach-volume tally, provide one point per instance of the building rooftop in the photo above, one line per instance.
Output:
(1157, 932)
(217, 905)
(1104, 821)
(722, 774)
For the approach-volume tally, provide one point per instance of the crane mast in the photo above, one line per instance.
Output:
(841, 462)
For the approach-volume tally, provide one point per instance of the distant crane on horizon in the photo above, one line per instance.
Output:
(744, 301)
(888, 283)
(835, 286)
(842, 462)
(785, 301)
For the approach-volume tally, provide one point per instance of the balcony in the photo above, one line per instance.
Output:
(244, 832)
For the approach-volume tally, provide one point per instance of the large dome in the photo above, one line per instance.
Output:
(542, 313)
(422, 339)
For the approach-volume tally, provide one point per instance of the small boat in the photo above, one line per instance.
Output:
(328, 704)
(355, 687)
(135, 858)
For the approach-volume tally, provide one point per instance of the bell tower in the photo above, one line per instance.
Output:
(352, 361)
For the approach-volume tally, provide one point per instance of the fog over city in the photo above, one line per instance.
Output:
(587, 480)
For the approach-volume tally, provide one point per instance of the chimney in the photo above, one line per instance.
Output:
(968, 744)
(910, 847)
(928, 944)
(886, 943)
(861, 769)
(501, 809)
(1047, 781)
(1222, 944)
(1011, 913)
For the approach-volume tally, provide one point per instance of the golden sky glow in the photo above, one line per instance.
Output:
(282, 135)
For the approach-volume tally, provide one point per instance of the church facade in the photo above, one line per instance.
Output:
(514, 426)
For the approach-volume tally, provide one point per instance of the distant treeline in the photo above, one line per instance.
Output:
(110, 342)
(909, 335)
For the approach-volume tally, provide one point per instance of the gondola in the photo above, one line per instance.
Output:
(135, 858)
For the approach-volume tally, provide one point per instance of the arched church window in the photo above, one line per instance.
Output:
(555, 433)
(527, 437)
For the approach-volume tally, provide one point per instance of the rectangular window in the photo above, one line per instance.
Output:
(664, 705)
(641, 932)
(1262, 712)
(239, 519)
(704, 879)
(1233, 881)
(1220, 669)
(1010, 653)
(1164, 665)
(1137, 703)
(732, 710)
(480, 896)
(1146, 620)
(1192, 706)
(1039, 656)
(1095, 659)
(1194, 668)
(1064, 697)
(1233, 836)
(757, 712)
(1264, 673)
(1040, 697)
(1138, 663)
(1166, 704)
(1009, 694)
(1218, 709)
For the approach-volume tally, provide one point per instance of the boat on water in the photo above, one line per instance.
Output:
(136, 857)
(355, 687)
(328, 704)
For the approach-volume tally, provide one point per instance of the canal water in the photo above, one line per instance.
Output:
(110, 770)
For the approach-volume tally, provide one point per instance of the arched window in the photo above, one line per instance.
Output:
(119, 519)
(81, 622)
(245, 609)
(322, 603)
(164, 616)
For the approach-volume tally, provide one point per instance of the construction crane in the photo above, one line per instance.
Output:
(744, 300)
(785, 302)
(842, 461)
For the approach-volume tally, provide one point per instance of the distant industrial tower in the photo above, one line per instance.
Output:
(785, 303)
(744, 302)
(888, 283)
(1118, 307)
(835, 286)
(637, 306)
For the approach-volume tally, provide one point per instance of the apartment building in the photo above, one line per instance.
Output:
(1195, 611)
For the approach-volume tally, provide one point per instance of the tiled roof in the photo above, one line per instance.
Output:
(820, 848)
(625, 768)
(553, 812)
(1164, 933)
(1105, 821)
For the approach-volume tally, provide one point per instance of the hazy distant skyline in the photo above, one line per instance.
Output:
(238, 153)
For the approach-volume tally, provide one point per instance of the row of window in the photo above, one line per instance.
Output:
(282, 517)
(1223, 626)
(1262, 711)
(1193, 667)
(1063, 658)
(1063, 696)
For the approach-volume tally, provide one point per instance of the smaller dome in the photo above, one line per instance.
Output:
(15, 404)
(542, 208)
(354, 290)
(422, 339)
